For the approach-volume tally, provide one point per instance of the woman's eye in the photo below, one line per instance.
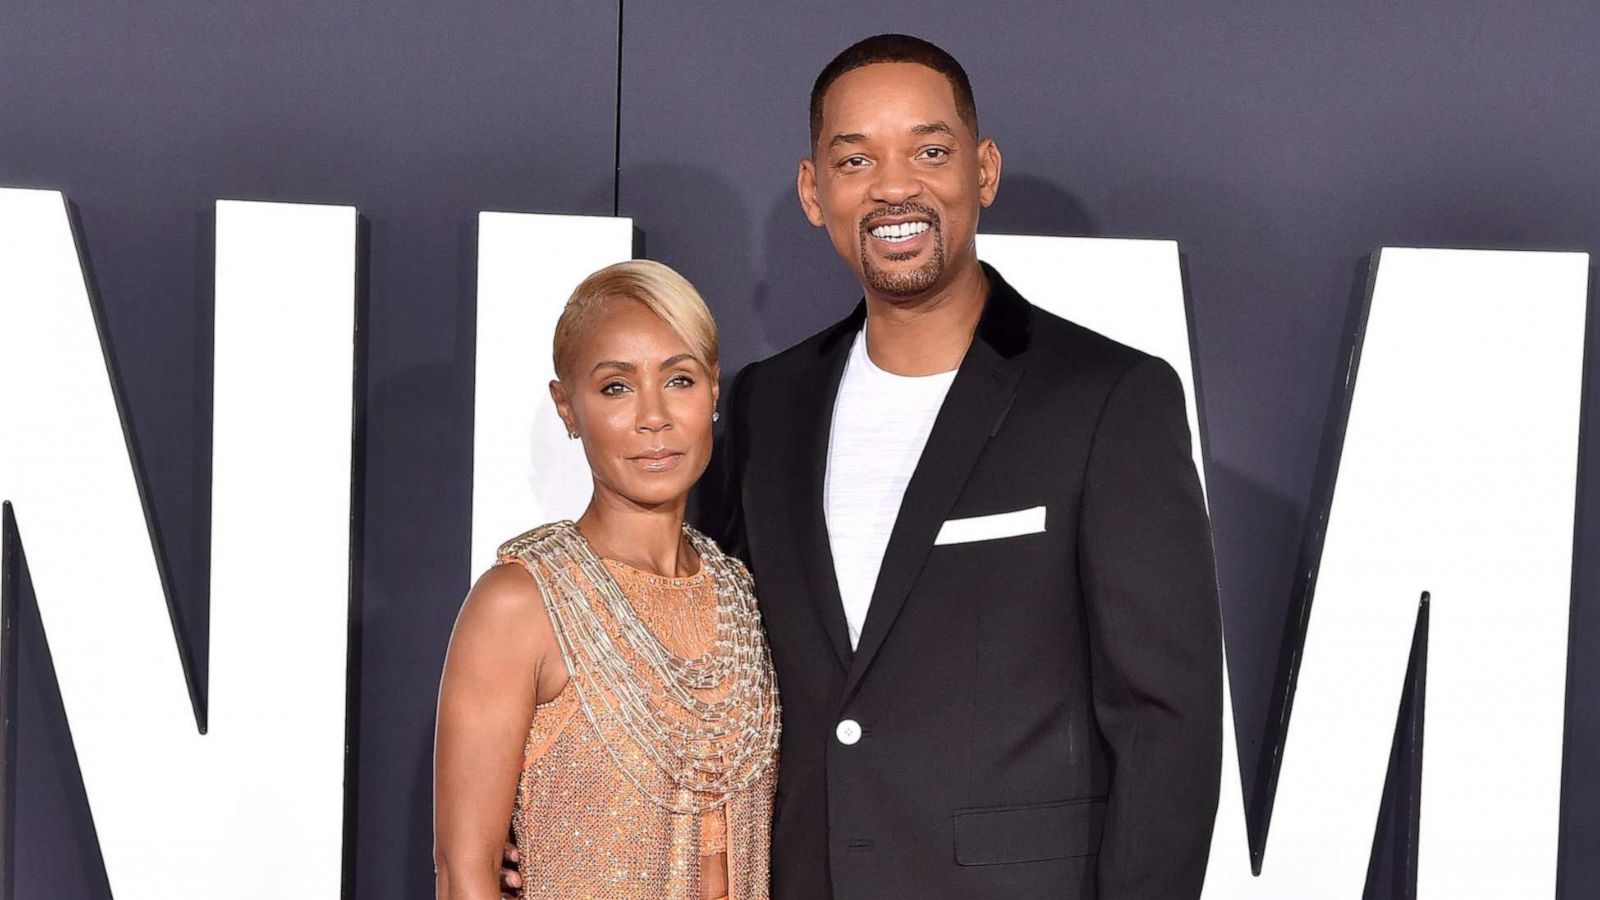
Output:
(613, 388)
(680, 381)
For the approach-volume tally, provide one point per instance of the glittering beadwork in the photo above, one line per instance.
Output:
(628, 678)
(676, 741)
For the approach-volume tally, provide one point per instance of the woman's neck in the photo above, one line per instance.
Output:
(650, 538)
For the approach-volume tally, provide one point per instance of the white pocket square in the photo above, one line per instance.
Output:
(988, 528)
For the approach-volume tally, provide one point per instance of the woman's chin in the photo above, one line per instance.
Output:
(648, 493)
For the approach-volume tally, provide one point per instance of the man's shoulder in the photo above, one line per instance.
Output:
(1066, 353)
(1064, 345)
(1054, 345)
(801, 361)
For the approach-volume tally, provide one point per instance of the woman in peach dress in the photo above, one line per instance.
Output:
(608, 692)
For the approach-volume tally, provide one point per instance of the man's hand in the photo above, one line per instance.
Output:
(510, 879)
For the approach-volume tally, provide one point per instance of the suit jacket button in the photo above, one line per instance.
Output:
(848, 732)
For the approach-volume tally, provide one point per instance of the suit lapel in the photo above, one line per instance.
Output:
(978, 400)
(814, 424)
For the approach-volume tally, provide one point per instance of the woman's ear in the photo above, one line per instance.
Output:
(558, 393)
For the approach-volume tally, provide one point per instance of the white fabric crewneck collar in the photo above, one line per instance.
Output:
(858, 351)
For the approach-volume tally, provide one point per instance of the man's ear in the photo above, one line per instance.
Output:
(805, 184)
(988, 171)
(558, 394)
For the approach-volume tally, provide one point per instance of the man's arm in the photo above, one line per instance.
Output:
(1149, 585)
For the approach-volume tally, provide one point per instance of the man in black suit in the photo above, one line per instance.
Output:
(979, 544)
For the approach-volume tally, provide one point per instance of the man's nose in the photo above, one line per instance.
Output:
(897, 182)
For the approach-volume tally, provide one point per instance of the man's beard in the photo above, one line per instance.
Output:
(902, 283)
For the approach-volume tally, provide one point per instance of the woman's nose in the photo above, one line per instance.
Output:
(652, 414)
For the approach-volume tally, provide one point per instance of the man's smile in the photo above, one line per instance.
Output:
(902, 235)
(897, 233)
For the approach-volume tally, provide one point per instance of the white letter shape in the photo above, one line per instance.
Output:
(254, 808)
(1458, 477)
(525, 472)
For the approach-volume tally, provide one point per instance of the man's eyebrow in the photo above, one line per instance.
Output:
(933, 128)
(851, 137)
(614, 364)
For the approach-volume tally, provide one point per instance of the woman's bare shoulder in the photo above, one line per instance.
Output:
(506, 588)
(503, 615)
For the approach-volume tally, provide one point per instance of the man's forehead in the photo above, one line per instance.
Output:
(891, 87)
(919, 129)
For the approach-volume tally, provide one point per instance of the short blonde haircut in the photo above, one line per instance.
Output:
(659, 287)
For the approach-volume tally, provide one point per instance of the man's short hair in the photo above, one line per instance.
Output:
(895, 48)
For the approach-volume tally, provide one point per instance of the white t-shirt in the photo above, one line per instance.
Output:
(881, 423)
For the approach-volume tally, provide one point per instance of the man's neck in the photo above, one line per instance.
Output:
(929, 333)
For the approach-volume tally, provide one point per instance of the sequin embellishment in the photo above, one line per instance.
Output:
(612, 807)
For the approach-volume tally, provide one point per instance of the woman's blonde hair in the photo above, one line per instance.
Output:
(659, 287)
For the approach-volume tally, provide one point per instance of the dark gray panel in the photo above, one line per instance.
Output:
(420, 114)
(54, 853)
(1279, 144)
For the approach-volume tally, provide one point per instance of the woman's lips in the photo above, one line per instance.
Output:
(657, 461)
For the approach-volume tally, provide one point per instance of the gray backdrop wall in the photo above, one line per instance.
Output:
(1279, 144)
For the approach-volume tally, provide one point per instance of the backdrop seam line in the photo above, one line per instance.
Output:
(616, 174)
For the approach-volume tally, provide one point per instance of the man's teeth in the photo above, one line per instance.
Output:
(904, 231)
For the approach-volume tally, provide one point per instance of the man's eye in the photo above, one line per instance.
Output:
(852, 162)
(935, 152)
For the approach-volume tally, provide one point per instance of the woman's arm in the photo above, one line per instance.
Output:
(486, 702)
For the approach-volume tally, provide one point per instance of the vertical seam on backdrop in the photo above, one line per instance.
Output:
(616, 174)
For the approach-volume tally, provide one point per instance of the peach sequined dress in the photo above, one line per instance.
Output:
(598, 815)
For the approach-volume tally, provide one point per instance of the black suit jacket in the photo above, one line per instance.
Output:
(1040, 715)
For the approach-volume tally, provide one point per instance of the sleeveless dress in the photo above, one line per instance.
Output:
(662, 748)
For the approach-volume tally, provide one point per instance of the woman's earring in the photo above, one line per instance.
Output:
(715, 415)
(571, 434)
